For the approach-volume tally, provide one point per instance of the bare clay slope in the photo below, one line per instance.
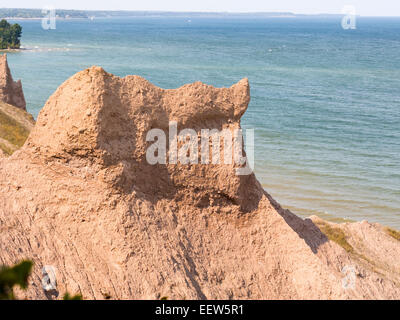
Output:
(81, 197)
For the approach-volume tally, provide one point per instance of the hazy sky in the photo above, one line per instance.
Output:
(363, 7)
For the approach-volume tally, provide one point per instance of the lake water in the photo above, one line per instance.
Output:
(325, 101)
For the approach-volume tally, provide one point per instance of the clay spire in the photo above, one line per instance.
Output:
(10, 91)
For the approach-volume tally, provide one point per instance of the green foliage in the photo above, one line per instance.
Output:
(18, 276)
(67, 296)
(393, 233)
(10, 35)
(7, 151)
(14, 276)
(335, 234)
(12, 131)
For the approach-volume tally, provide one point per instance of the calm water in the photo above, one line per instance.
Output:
(325, 102)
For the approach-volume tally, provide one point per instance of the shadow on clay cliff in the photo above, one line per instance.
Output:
(306, 229)
(122, 135)
(126, 168)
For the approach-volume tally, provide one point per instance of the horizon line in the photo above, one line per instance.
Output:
(212, 12)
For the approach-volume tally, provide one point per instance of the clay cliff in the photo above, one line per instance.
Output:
(80, 196)
(10, 90)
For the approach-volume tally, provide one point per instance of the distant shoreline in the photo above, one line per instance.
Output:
(35, 14)
(14, 50)
(40, 18)
(11, 50)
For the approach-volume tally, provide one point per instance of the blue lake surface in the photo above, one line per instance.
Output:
(325, 101)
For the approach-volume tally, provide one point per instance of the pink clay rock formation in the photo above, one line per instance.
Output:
(80, 196)
(10, 90)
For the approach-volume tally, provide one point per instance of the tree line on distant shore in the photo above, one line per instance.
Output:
(39, 13)
(10, 35)
(18, 13)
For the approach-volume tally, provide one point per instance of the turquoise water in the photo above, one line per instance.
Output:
(325, 101)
